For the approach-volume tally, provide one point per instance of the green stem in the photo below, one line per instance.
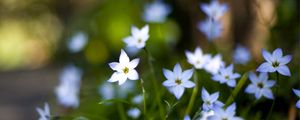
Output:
(144, 97)
(276, 92)
(194, 94)
(237, 89)
(121, 111)
(157, 93)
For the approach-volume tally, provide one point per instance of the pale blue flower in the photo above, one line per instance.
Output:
(77, 42)
(227, 76)
(138, 99)
(225, 114)
(210, 28)
(156, 12)
(134, 113)
(275, 62)
(206, 114)
(124, 69)
(214, 64)
(297, 92)
(197, 59)
(107, 91)
(138, 37)
(214, 10)
(44, 114)
(178, 80)
(187, 117)
(241, 55)
(68, 90)
(260, 85)
(210, 102)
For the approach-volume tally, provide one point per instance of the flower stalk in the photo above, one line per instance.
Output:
(194, 94)
(276, 92)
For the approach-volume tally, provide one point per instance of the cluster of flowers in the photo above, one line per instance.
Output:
(178, 79)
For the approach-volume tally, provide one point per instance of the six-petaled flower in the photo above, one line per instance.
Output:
(210, 102)
(124, 70)
(227, 76)
(260, 85)
(178, 80)
(275, 62)
(138, 37)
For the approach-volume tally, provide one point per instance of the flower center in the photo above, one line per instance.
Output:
(178, 82)
(126, 70)
(139, 40)
(275, 64)
(224, 119)
(207, 102)
(260, 85)
(227, 77)
(198, 62)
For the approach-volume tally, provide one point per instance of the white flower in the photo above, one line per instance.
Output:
(134, 113)
(156, 12)
(225, 114)
(138, 37)
(44, 114)
(214, 10)
(241, 55)
(210, 28)
(68, 90)
(77, 42)
(227, 76)
(197, 59)
(206, 114)
(124, 69)
(260, 85)
(177, 80)
(214, 64)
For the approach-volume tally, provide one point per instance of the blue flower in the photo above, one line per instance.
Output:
(275, 62)
(241, 55)
(156, 12)
(227, 76)
(214, 65)
(260, 85)
(178, 80)
(211, 28)
(214, 10)
(225, 114)
(44, 114)
(297, 92)
(210, 102)
(77, 42)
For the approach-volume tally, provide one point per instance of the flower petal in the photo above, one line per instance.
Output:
(267, 93)
(253, 78)
(169, 83)
(250, 89)
(214, 96)
(135, 31)
(284, 70)
(169, 74)
(145, 30)
(198, 51)
(231, 108)
(187, 74)
(231, 83)
(188, 84)
(178, 91)
(267, 56)
(133, 75)
(204, 94)
(133, 63)
(297, 92)
(265, 67)
(177, 69)
(298, 104)
(277, 53)
(270, 83)
(123, 57)
(114, 65)
(263, 76)
(258, 94)
(284, 60)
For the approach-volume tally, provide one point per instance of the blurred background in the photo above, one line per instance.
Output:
(36, 44)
